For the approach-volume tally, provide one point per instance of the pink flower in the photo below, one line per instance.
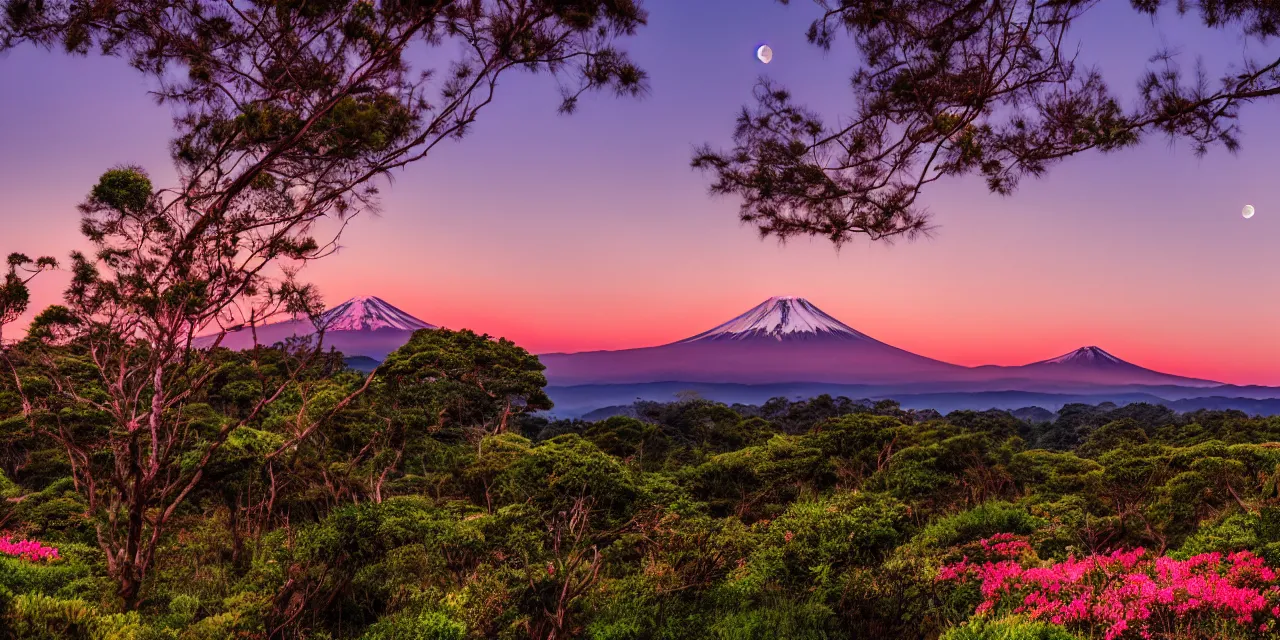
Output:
(27, 549)
(1126, 593)
(1005, 545)
(958, 572)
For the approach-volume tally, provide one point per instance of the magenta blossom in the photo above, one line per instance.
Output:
(27, 549)
(1127, 594)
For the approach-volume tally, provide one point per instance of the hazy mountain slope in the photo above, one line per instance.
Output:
(791, 340)
(779, 340)
(1091, 365)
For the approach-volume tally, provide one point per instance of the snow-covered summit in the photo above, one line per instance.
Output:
(368, 313)
(1085, 356)
(781, 318)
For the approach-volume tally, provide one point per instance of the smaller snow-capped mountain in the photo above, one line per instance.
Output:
(1092, 365)
(362, 326)
(1087, 357)
(369, 313)
(780, 318)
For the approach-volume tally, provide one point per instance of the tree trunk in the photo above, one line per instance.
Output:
(130, 587)
(133, 566)
(237, 540)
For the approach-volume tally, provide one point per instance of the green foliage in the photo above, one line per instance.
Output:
(1007, 629)
(411, 512)
(1234, 532)
(431, 625)
(804, 621)
(39, 617)
(57, 509)
(8, 488)
(626, 438)
(127, 189)
(455, 379)
(982, 521)
(65, 578)
(555, 473)
(813, 542)
(758, 481)
(1113, 435)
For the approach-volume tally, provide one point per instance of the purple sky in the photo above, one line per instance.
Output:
(590, 231)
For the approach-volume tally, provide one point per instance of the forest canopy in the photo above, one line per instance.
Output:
(429, 507)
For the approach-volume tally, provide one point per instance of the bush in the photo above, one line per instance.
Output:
(8, 489)
(74, 575)
(982, 521)
(814, 541)
(556, 472)
(38, 617)
(1007, 629)
(431, 625)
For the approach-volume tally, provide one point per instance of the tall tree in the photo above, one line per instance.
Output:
(14, 295)
(958, 87)
(288, 114)
(452, 380)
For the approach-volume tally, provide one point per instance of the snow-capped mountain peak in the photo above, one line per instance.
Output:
(1085, 356)
(779, 318)
(368, 313)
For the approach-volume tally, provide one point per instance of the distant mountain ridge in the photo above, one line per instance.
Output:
(787, 346)
(789, 339)
(784, 339)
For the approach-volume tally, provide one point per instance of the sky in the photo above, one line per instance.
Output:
(591, 231)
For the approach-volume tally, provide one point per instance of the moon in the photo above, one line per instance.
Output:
(1248, 211)
(764, 53)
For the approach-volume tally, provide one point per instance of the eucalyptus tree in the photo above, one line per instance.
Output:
(961, 87)
(288, 118)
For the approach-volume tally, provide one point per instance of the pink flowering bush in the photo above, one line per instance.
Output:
(1126, 594)
(27, 549)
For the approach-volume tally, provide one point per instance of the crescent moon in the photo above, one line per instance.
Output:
(764, 53)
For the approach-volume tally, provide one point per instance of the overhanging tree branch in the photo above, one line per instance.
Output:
(956, 87)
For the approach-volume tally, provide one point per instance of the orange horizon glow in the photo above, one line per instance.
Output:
(591, 232)
(539, 335)
(598, 328)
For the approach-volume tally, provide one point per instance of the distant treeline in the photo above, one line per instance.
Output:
(1072, 422)
(594, 401)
